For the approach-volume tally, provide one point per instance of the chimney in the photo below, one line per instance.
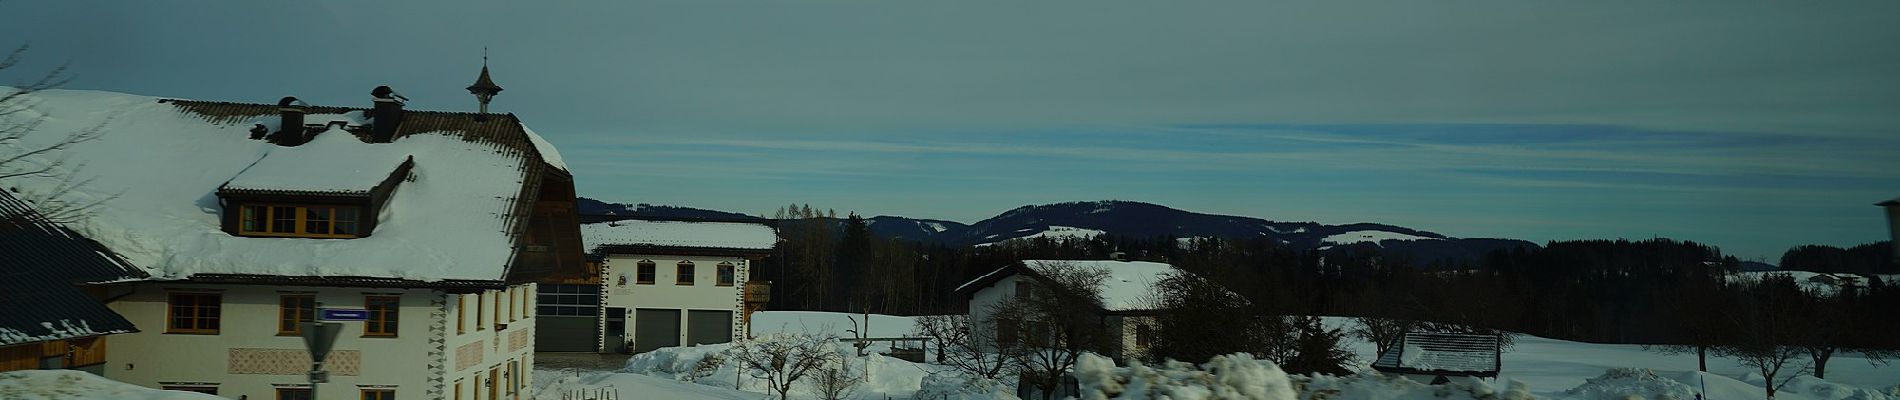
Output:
(387, 114)
(290, 126)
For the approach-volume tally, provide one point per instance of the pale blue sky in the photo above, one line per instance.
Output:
(1754, 127)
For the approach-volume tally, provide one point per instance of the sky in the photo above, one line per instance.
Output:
(1753, 126)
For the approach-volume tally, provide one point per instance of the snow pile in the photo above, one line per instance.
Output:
(1236, 376)
(1630, 384)
(882, 376)
(1818, 389)
(721, 235)
(332, 162)
(68, 385)
(632, 386)
(156, 169)
(1373, 237)
(1375, 386)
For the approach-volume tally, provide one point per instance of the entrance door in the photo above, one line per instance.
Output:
(615, 337)
(655, 328)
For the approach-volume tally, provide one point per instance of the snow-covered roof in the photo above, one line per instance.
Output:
(679, 234)
(333, 162)
(1129, 286)
(159, 162)
(1457, 354)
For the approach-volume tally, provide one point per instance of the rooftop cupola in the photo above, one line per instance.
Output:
(387, 114)
(484, 88)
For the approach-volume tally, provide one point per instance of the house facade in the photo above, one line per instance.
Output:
(248, 217)
(673, 283)
(1126, 311)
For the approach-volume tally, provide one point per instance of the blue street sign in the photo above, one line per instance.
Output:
(342, 314)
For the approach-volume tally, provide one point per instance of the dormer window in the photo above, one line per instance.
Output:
(300, 220)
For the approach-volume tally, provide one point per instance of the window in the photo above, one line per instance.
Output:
(211, 390)
(382, 315)
(1025, 290)
(461, 320)
(511, 304)
(525, 308)
(1142, 334)
(569, 300)
(293, 393)
(293, 310)
(379, 394)
(498, 324)
(685, 275)
(319, 221)
(645, 273)
(478, 312)
(510, 376)
(1006, 333)
(458, 390)
(727, 274)
(194, 313)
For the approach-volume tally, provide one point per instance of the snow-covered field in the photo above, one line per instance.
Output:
(69, 385)
(1539, 367)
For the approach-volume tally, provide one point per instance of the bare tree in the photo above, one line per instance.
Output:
(1055, 325)
(837, 380)
(783, 359)
(1383, 332)
(41, 160)
(1767, 331)
(962, 347)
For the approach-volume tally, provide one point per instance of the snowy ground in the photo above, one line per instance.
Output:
(68, 384)
(1544, 368)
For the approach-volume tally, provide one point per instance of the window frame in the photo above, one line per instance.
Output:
(480, 323)
(296, 320)
(685, 274)
(205, 389)
(381, 394)
(461, 314)
(377, 317)
(280, 392)
(646, 272)
(171, 316)
(299, 224)
(727, 274)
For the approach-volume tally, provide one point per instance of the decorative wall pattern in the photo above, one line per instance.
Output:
(468, 355)
(518, 339)
(291, 362)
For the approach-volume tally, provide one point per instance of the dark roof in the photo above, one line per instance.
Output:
(1445, 354)
(1894, 202)
(483, 83)
(343, 281)
(40, 263)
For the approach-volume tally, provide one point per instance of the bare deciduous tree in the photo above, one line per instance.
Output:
(1056, 325)
(782, 359)
(837, 380)
(961, 346)
(40, 159)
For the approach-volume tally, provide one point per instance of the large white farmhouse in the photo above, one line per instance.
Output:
(247, 217)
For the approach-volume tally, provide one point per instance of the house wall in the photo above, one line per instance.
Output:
(620, 288)
(1131, 347)
(981, 302)
(247, 357)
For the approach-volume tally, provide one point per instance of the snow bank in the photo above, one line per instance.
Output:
(1236, 376)
(1629, 384)
(70, 385)
(635, 386)
(714, 365)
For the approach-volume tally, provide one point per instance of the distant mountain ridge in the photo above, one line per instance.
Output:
(596, 208)
(1129, 218)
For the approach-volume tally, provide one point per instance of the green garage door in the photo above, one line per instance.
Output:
(708, 327)
(655, 328)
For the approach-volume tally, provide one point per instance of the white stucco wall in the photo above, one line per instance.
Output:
(423, 349)
(981, 303)
(665, 293)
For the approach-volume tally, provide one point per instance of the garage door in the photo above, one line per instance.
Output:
(655, 328)
(708, 327)
(562, 333)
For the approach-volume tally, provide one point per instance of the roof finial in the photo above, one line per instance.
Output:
(484, 88)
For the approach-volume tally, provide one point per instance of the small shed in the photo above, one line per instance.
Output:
(1438, 357)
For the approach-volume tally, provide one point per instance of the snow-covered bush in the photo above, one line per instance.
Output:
(1631, 383)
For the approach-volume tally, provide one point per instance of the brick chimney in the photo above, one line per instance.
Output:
(387, 114)
(290, 125)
